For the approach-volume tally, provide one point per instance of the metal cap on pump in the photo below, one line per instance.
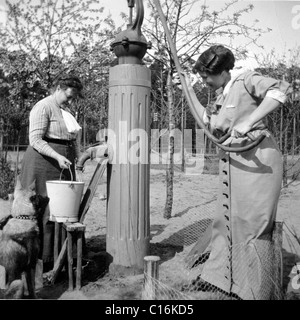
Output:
(130, 45)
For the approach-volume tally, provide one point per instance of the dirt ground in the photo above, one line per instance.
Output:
(194, 197)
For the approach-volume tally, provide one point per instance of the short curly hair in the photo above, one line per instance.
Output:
(69, 81)
(215, 60)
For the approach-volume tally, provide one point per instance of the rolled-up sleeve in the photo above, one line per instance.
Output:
(260, 87)
(277, 95)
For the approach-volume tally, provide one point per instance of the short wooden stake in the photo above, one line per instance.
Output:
(70, 260)
(63, 239)
(56, 240)
(151, 277)
(2, 277)
(278, 262)
(79, 260)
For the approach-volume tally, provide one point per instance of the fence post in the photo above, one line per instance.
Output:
(278, 263)
(150, 277)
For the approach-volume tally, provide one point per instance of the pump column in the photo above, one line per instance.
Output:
(128, 220)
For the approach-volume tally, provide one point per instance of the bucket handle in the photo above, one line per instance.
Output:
(72, 179)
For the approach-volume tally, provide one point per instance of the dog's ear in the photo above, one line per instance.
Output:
(18, 188)
(39, 202)
(18, 185)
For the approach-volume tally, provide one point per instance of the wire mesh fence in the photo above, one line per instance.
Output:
(256, 268)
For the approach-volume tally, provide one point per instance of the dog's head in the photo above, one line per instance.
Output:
(26, 202)
(39, 204)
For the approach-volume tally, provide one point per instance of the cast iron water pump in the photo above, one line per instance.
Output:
(130, 45)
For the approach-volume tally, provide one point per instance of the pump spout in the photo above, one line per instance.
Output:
(102, 151)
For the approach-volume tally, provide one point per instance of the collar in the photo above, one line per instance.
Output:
(24, 217)
(234, 75)
(227, 87)
(224, 91)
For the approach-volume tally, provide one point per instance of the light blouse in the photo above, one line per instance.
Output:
(46, 120)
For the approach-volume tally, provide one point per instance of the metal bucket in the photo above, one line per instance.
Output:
(65, 198)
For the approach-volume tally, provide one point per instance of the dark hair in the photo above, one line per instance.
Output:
(69, 81)
(215, 60)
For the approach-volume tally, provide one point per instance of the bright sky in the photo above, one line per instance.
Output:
(283, 17)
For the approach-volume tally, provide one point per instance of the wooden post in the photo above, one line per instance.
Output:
(285, 158)
(2, 277)
(128, 222)
(278, 262)
(63, 240)
(182, 134)
(281, 130)
(79, 260)
(70, 260)
(56, 240)
(151, 277)
(294, 137)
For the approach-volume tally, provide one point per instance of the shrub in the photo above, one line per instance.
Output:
(7, 179)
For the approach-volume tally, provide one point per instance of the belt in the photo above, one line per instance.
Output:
(59, 141)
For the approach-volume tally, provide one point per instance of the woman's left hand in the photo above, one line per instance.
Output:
(63, 162)
(241, 129)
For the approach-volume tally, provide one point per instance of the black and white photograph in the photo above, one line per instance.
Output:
(149, 152)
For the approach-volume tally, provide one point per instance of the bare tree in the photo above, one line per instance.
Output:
(284, 123)
(52, 37)
(193, 27)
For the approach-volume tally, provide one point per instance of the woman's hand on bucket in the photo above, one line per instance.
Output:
(63, 162)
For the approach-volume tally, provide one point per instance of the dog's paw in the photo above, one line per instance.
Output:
(48, 278)
(15, 290)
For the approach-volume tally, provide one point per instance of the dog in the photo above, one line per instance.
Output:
(20, 240)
